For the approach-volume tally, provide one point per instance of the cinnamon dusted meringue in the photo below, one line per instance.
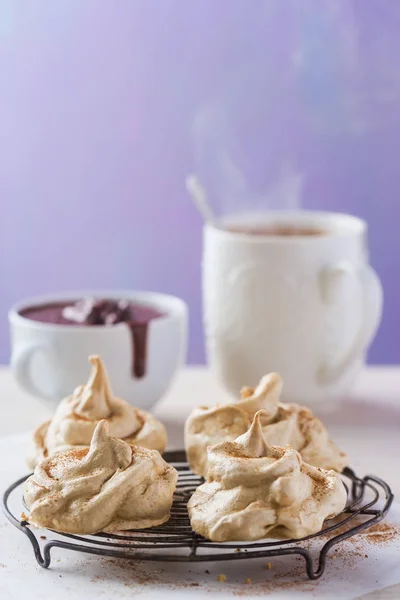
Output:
(283, 424)
(77, 416)
(110, 486)
(253, 488)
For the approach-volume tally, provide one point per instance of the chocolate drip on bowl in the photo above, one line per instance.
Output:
(92, 311)
(139, 333)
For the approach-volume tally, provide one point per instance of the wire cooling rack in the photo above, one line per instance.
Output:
(175, 541)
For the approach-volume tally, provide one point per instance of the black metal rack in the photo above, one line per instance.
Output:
(175, 541)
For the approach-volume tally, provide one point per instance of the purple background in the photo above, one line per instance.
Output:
(106, 106)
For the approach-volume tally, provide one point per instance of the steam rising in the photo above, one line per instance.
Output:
(311, 75)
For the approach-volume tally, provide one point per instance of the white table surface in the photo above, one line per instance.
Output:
(366, 426)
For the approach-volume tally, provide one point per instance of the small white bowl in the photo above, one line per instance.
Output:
(49, 360)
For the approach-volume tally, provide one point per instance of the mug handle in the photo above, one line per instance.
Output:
(20, 365)
(372, 302)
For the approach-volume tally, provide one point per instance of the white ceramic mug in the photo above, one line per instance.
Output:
(50, 360)
(307, 306)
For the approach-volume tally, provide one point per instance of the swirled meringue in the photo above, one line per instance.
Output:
(253, 488)
(110, 486)
(283, 424)
(77, 416)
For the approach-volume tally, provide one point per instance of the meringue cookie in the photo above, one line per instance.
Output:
(253, 488)
(110, 486)
(77, 416)
(283, 424)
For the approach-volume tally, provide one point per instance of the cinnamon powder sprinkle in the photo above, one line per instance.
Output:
(381, 533)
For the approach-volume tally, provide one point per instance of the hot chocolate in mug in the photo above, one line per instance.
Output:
(291, 292)
(49, 359)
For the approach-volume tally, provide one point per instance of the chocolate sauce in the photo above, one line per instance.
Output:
(91, 311)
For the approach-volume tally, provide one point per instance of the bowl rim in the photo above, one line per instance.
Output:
(174, 306)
